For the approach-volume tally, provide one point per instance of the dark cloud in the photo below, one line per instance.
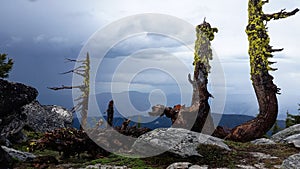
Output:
(145, 41)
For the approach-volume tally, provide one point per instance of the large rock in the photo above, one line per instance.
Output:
(280, 136)
(12, 97)
(47, 118)
(16, 154)
(178, 141)
(293, 139)
(291, 162)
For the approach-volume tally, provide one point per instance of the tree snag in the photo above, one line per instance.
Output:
(265, 90)
(184, 117)
(110, 113)
(83, 100)
(203, 53)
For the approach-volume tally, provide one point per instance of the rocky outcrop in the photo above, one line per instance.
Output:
(289, 135)
(47, 118)
(280, 136)
(177, 141)
(16, 154)
(19, 108)
(293, 139)
(291, 162)
(12, 97)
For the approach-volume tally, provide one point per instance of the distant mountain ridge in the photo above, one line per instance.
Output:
(225, 120)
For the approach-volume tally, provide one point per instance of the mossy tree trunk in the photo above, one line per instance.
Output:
(203, 53)
(260, 51)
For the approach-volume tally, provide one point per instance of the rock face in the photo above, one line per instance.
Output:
(291, 162)
(293, 139)
(12, 97)
(178, 141)
(22, 156)
(289, 135)
(280, 136)
(47, 118)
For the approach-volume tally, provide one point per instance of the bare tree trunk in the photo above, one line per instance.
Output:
(262, 81)
(110, 113)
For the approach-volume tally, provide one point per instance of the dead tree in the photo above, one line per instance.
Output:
(182, 116)
(83, 101)
(110, 113)
(260, 51)
(203, 54)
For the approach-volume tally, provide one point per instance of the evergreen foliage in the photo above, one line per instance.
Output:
(6, 65)
(292, 119)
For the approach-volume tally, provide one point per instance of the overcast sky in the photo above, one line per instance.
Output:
(39, 35)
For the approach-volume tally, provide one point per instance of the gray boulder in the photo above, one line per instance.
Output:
(291, 162)
(263, 141)
(22, 156)
(280, 136)
(46, 118)
(293, 139)
(178, 141)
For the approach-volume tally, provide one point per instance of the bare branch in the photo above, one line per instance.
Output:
(73, 60)
(64, 87)
(190, 79)
(70, 71)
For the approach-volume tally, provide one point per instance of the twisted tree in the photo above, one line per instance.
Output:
(182, 116)
(260, 51)
(82, 106)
